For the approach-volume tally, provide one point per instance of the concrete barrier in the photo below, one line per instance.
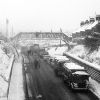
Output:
(92, 69)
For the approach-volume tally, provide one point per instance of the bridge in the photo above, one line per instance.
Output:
(42, 38)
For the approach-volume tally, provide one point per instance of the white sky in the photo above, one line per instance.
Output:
(44, 15)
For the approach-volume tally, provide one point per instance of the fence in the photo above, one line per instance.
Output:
(10, 73)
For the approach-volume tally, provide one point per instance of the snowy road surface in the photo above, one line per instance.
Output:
(44, 83)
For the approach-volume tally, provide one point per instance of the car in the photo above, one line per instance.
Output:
(60, 59)
(46, 57)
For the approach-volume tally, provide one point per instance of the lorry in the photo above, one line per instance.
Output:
(73, 75)
(37, 50)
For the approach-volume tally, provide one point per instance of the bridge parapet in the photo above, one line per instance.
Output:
(92, 69)
(41, 35)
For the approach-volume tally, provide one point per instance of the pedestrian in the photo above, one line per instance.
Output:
(36, 64)
(29, 52)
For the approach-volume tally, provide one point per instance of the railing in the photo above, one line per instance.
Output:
(11, 69)
(92, 69)
(10, 73)
(42, 36)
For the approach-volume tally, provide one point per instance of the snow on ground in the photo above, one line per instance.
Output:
(82, 52)
(51, 51)
(3, 87)
(5, 61)
(94, 58)
(95, 87)
(41, 42)
(57, 50)
(79, 50)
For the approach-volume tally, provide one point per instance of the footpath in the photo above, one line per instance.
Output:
(16, 89)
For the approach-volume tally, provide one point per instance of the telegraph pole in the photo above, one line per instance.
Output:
(60, 36)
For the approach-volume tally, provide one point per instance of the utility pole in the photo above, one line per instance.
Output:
(60, 36)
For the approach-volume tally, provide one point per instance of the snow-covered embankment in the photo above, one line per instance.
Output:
(6, 61)
(94, 58)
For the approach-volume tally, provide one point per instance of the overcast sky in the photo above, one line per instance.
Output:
(44, 15)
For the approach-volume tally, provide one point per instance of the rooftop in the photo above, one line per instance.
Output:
(73, 66)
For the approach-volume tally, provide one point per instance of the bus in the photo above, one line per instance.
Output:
(74, 75)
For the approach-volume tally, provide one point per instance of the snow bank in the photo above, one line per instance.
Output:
(5, 64)
(3, 87)
(57, 50)
(79, 50)
(52, 51)
(84, 53)
(61, 50)
(94, 57)
(94, 87)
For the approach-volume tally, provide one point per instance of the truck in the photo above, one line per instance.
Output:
(73, 75)
(38, 50)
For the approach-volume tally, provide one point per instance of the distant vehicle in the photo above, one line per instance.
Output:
(51, 61)
(74, 75)
(46, 57)
(56, 59)
(42, 51)
(34, 47)
(62, 59)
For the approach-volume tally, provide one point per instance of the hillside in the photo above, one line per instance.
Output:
(88, 43)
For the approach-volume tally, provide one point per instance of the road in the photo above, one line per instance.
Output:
(42, 83)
